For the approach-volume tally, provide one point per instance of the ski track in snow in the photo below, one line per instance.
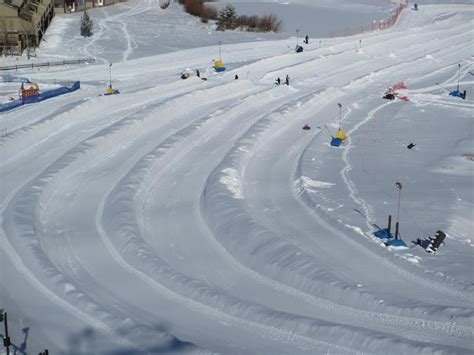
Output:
(195, 216)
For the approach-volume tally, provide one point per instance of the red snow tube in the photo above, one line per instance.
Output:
(306, 127)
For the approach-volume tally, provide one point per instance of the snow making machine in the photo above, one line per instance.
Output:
(111, 91)
(457, 93)
(219, 66)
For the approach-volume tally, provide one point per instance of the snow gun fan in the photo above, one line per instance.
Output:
(110, 89)
(457, 93)
(338, 139)
(219, 66)
(397, 242)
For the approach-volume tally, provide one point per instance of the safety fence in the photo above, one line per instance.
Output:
(8, 51)
(13, 79)
(48, 64)
(40, 97)
(376, 25)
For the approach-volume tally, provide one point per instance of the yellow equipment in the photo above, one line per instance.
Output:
(340, 134)
(111, 90)
(219, 66)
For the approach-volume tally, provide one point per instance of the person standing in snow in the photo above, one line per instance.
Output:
(198, 74)
(306, 39)
(236, 77)
(278, 81)
(287, 80)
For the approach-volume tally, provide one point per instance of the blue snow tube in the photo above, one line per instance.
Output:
(299, 49)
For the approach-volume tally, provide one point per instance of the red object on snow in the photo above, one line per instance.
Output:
(400, 85)
(403, 98)
(306, 127)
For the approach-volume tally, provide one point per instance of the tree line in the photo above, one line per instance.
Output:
(228, 19)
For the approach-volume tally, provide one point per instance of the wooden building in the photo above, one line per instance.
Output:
(23, 23)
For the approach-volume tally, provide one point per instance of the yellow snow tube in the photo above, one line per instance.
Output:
(218, 64)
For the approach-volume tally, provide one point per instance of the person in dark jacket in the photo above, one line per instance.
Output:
(236, 77)
(278, 81)
(287, 80)
(198, 74)
(306, 39)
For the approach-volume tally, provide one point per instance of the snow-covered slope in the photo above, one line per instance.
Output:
(197, 216)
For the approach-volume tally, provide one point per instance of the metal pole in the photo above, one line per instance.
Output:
(340, 114)
(110, 74)
(329, 131)
(459, 74)
(6, 339)
(399, 187)
(398, 208)
(389, 223)
(220, 58)
(297, 31)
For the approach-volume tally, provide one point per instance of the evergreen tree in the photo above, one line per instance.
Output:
(86, 25)
(227, 19)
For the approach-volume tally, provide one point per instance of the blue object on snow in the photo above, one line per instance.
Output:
(51, 93)
(457, 93)
(10, 105)
(299, 49)
(396, 243)
(336, 142)
(219, 69)
(383, 234)
(40, 97)
(13, 79)
(116, 92)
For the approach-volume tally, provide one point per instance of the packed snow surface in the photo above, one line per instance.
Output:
(197, 216)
